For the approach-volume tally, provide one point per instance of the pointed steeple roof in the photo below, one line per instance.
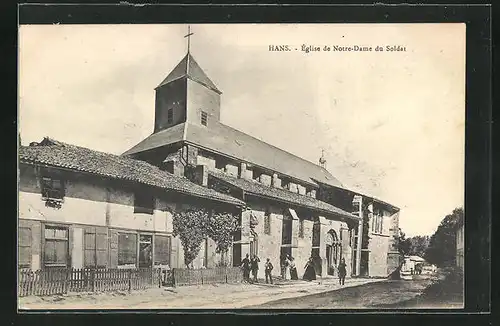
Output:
(188, 67)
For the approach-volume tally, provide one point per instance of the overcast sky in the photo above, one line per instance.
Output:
(391, 123)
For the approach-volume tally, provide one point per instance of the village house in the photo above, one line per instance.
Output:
(82, 208)
(293, 206)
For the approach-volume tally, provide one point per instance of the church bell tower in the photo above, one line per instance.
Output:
(186, 95)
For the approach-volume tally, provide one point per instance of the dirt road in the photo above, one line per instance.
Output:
(372, 295)
(223, 296)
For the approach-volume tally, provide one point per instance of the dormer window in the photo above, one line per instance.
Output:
(52, 189)
(204, 118)
(143, 202)
(170, 116)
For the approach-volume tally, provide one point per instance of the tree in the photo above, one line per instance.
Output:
(442, 245)
(191, 227)
(419, 245)
(404, 244)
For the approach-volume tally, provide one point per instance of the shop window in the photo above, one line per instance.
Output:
(162, 249)
(145, 250)
(127, 249)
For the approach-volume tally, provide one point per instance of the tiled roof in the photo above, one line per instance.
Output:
(58, 154)
(188, 67)
(236, 144)
(259, 189)
(366, 196)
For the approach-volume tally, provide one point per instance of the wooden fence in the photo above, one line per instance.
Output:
(182, 277)
(64, 280)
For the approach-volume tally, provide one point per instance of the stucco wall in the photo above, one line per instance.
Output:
(87, 202)
(200, 98)
(205, 160)
(378, 248)
(84, 203)
(170, 96)
(269, 245)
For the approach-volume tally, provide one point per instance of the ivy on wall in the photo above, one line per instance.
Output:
(193, 226)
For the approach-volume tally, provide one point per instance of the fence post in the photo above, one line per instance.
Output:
(129, 280)
(92, 280)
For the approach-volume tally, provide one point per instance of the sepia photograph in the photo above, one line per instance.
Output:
(241, 166)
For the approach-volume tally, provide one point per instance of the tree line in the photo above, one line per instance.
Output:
(439, 248)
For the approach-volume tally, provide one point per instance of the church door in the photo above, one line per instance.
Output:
(332, 252)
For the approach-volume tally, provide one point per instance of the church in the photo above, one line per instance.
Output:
(292, 206)
(83, 208)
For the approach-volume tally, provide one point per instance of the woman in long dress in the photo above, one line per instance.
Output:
(287, 268)
(293, 269)
(310, 271)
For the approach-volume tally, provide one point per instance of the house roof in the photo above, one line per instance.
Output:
(259, 189)
(233, 143)
(344, 188)
(58, 154)
(189, 68)
(415, 258)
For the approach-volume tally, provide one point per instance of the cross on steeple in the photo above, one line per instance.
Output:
(189, 37)
(322, 160)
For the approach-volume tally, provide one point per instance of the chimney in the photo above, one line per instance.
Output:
(200, 175)
(276, 182)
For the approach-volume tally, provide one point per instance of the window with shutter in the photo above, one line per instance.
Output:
(96, 247)
(24, 244)
(56, 246)
(162, 249)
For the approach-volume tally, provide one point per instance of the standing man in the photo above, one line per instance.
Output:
(342, 271)
(254, 265)
(268, 269)
(245, 263)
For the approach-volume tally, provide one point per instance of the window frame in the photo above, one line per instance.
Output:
(168, 249)
(56, 239)
(204, 118)
(170, 116)
(140, 199)
(49, 192)
(136, 250)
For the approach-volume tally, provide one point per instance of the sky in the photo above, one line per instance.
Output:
(391, 123)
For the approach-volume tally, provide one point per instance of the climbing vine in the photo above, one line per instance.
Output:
(190, 225)
(221, 228)
(195, 225)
